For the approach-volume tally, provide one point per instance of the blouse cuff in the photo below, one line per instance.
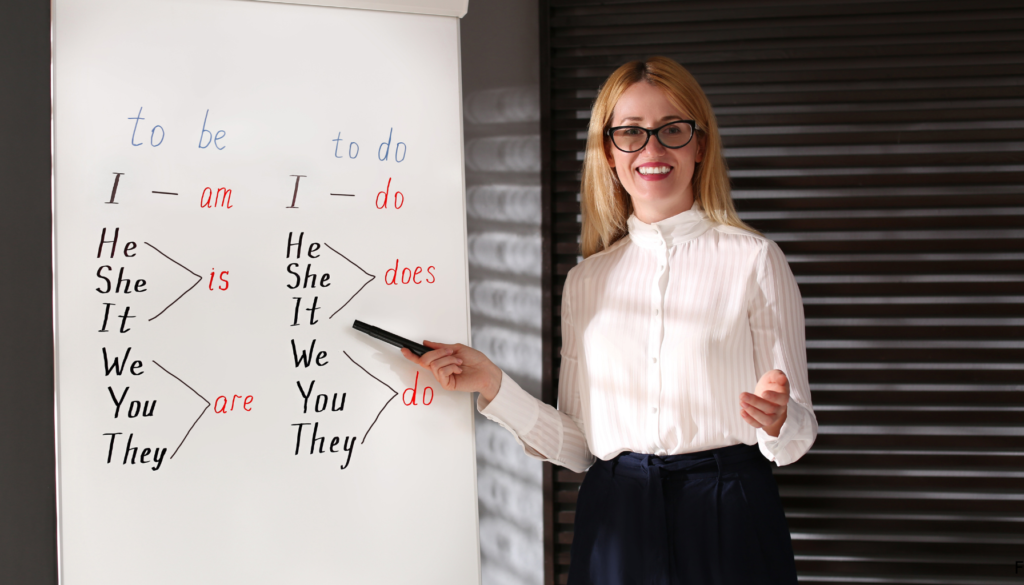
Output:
(795, 438)
(513, 408)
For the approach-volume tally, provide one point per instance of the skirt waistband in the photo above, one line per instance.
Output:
(713, 462)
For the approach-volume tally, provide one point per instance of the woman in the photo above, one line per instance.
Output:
(678, 311)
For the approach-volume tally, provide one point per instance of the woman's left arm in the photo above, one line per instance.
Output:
(780, 406)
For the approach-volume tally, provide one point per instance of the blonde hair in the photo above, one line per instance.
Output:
(604, 203)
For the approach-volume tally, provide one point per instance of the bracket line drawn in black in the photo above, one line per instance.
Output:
(197, 418)
(394, 393)
(343, 194)
(198, 279)
(360, 288)
(164, 193)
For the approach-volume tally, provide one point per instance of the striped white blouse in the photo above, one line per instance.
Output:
(661, 332)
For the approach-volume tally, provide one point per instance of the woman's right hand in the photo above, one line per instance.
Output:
(459, 367)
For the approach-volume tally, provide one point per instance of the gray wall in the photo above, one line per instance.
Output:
(28, 532)
(501, 93)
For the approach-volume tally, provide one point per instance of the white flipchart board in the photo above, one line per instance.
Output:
(246, 434)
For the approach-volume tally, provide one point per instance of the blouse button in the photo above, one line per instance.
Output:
(656, 311)
(654, 410)
(654, 360)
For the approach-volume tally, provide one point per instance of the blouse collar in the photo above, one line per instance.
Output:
(677, 229)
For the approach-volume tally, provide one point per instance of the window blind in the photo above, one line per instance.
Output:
(881, 145)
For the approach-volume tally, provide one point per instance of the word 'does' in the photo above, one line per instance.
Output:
(413, 275)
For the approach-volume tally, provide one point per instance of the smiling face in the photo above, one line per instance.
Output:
(659, 180)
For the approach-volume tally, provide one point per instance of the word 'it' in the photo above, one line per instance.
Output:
(124, 316)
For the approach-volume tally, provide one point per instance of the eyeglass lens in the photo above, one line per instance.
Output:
(633, 138)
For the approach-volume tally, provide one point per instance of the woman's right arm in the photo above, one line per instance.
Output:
(547, 433)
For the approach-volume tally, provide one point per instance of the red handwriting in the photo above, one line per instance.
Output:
(223, 280)
(410, 399)
(414, 275)
(382, 197)
(222, 408)
(222, 198)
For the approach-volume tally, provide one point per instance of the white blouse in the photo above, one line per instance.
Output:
(661, 332)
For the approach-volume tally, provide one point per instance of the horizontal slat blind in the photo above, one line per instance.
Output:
(881, 144)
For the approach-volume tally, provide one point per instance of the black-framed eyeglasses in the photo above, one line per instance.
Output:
(675, 134)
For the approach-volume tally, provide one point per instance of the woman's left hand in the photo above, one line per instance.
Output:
(766, 407)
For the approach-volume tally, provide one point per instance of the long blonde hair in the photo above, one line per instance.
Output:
(605, 204)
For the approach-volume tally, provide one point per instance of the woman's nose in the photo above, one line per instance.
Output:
(654, 147)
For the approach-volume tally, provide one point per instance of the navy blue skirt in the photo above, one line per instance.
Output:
(705, 518)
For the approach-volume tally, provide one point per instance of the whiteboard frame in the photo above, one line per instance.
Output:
(456, 8)
(469, 312)
(450, 8)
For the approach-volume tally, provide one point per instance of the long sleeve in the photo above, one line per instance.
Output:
(547, 433)
(776, 318)
(661, 333)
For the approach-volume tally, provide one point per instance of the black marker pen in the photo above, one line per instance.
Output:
(391, 338)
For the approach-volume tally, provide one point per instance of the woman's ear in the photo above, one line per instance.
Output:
(702, 142)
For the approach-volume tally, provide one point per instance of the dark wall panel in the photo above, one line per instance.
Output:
(28, 520)
(881, 144)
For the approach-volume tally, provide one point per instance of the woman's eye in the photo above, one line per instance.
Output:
(631, 131)
(672, 130)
